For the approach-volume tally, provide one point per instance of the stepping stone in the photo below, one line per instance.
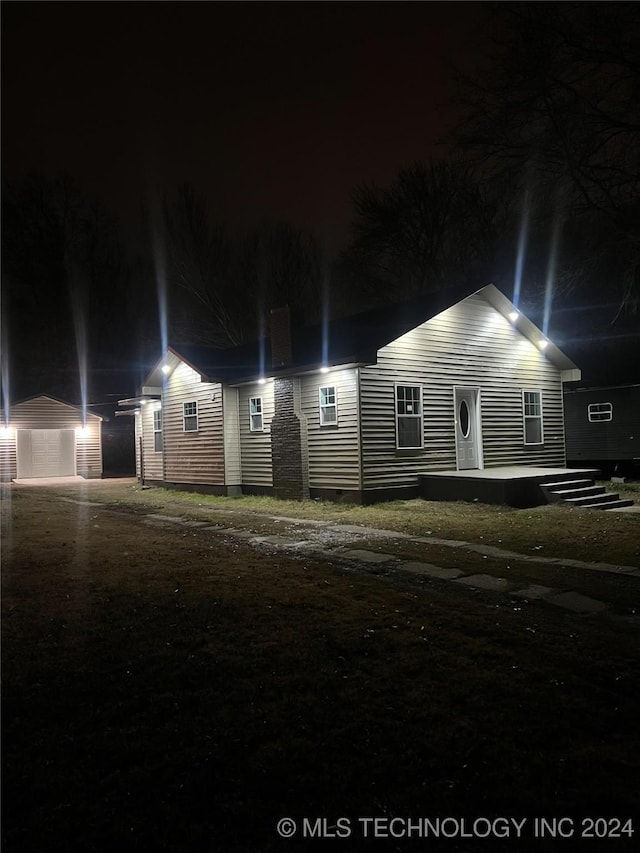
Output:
(283, 541)
(175, 518)
(368, 556)
(491, 551)
(534, 591)
(433, 540)
(577, 603)
(599, 567)
(485, 582)
(237, 534)
(431, 571)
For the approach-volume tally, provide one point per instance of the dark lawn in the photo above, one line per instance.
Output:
(177, 691)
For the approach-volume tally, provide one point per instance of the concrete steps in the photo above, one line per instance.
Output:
(583, 493)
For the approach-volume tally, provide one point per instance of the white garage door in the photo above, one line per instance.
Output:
(46, 453)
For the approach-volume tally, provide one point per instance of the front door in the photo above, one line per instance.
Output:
(468, 428)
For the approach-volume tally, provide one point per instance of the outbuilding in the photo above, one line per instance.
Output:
(45, 437)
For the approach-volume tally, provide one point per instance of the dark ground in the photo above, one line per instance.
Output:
(179, 691)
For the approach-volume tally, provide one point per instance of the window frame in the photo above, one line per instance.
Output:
(255, 414)
(186, 415)
(595, 420)
(323, 407)
(419, 416)
(527, 419)
(157, 430)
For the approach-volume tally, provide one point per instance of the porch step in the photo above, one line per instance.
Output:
(583, 493)
(615, 504)
(596, 499)
(566, 484)
(578, 494)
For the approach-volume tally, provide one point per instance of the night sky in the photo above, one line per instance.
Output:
(269, 109)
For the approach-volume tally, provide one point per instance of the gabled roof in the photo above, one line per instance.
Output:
(349, 340)
(77, 409)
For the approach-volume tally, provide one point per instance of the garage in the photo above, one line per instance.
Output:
(44, 437)
(46, 453)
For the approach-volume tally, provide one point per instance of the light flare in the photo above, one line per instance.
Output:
(551, 267)
(522, 249)
(79, 295)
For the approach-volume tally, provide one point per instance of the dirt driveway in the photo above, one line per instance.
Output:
(175, 686)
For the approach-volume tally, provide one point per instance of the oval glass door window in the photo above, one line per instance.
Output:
(465, 421)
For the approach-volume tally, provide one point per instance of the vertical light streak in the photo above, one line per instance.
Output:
(325, 317)
(79, 289)
(4, 362)
(551, 267)
(522, 249)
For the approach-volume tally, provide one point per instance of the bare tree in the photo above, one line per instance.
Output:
(62, 277)
(430, 229)
(559, 105)
(221, 288)
(282, 265)
(206, 305)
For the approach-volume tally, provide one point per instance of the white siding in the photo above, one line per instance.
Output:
(45, 413)
(153, 467)
(232, 461)
(471, 345)
(193, 457)
(137, 433)
(333, 451)
(255, 447)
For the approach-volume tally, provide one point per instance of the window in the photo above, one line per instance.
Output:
(256, 421)
(408, 417)
(328, 406)
(599, 412)
(157, 429)
(190, 417)
(532, 409)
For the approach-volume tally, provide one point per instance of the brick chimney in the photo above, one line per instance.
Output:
(288, 427)
(281, 352)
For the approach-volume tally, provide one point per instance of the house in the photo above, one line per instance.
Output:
(360, 410)
(46, 437)
(602, 426)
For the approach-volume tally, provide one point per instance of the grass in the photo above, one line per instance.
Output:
(170, 690)
(562, 531)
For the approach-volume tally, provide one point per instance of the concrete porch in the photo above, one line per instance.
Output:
(511, 485)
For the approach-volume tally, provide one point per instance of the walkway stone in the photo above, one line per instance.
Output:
(577, 603)
(433, 540)
(485, 582)
(281, 541)
(493, 551)
(534, 591)
(430, 570)
(174, 518)
(237, 534)
(368, 556)
(598, 567)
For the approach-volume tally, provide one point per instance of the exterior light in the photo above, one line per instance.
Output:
(143, 402)
(513, 316)
(543, 344)
(324, 369)
(5, 430)
(165, 369)
(261, 381)
(82, 431)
